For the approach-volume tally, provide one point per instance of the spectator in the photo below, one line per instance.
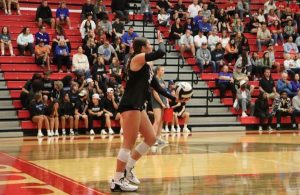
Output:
(74, 93)
(289, 30)
(199, 39)
(60, 35)
(242, 8)
(217, 55)
(224, 39)
(115, 69)
(204, 58)
(48, 84)
(268, 6)
(146, 11)
(194, 8)
(37, 114)
(67, 82)
(261, 17)
(164, 4)
(129, 36)
(28, 88)
(281, 5)
(121, 9)
(42, 35)
(230, 8)
(91, 88)
(298, 60)
(106, 26)
(261, 111)
(187, 43)
(284, 84)
(282, 107)
(213, 39)
(204, 26)
(163, 18)
(297, 41)
(206, 11)
(99, 68)
(238, 26)
(96, 112)
(197, 19)
(81, 109)
(263, 36)
(254, 23)
(245, 62)
(100, 10)
(87, 25)
(25, 42)
(188, 24)
(42, 53)
(63, 15)
(57, 92)
(180, 113)
(243, 100)
(272, 17)
(267, 85)
(87, 9)
(44, 14)
(290, 65)
(223, 23)
(271, 52)
(296, 104)
(90, 35)
(277, 32)
(231, 52)
(66, 112)
(180, 11)
(266, 61)
(120, 49)
(225, 81)
(238, 76)
(287, 16)
(80, 62)
(5, 41)
(118, 28)
(290, 47)
(213, 7)
(295, 84)
(256, 62)
(176, 30)
(107, 50)
(62, 55)
(243, 44)
(90, 50)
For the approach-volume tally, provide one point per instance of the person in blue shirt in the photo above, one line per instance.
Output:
(204, 26)
(63, 15)
(129, 36)
(198, 18)
(42, 35)
(284, 84)
(225, 81)
(62, 55)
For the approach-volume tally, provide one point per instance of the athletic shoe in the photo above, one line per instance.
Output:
(121, 131)
(270, 129)
(111, 132)
(76, 132)
(122, 186)
(244, 114)
(49, 133)
(163, 131)
(161, 141)
(178, 129)
(130, 176)
(71, 132)
(260, 128)
(103, 132)
(173, 130)
(40, 134)
(186, 130)
(56, 133)
(92, 132)
(167, 129)
(63, 132)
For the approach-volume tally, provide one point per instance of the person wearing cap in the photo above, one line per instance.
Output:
(243, 99)
(199, 39)
(238, 76)
(42, 53)
(81, 110)
(66, 112)
(110, 107)
(92, 88)
(187, 43)
(86, 25)
(264, 36)
(204, 58)
(96, 112)
(44, 14)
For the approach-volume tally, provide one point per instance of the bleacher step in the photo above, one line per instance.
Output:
(219, 129)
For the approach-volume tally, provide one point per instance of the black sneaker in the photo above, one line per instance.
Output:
(122, 186)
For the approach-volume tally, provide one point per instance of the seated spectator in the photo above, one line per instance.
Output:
(282, 106)
(57, 92)
(256, 62)
(129, 36)
(163, 18)
(87, 25)
(263, 36)
(223, 23)
(277, 32)
(238, 27)
(91, 88)
(217, 55)
(28, 89)
(44, 14)
(231, 52)
(245, 62)
(5, 41)
(37, 111)
(206, 11)
(90, 35)
(87, 9)
(121, 9)
(187, 43)
(242, 8)
(63, 15)
(239, 76)
(48, 85)
(67, 82)
(254, 23)
(25, 42)
(261, 110)
(80, 62)
(107, 51)
(290, 47)
(204, 58)
(271, 52)
(230, 7)
(66, 112)
(270, 4)
(284, 85)
(176, 30)
(224, 39)
(197, 19)
(180, 11)
(188, 24)
(100, 10)
(96, 112)
(297, 41)
(213, 39)
(281, 5)
(62, 55)
(90, 50)
(296, 104)
(120, 49)
(74, 93)
(289, 30)
(297, 59)
(287, 16)
(194, 8)
(261, 17)
(213, 21)
(204, 26)
(81, 110)
(42, 35)
(110, 107)
(106, 26)
(42, 55)
(164, 4)
(115, 69)
(99, 69)
(60, 35)
(295, 84)
(180, 113)
(267, 85)
(146, 11)
(290, 65)
(118, 28)
(226, 82)
(243, 44)
(243, 99)
(199, 39)
(266, 61)
(272, 17)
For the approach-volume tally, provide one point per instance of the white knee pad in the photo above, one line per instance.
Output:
(142, 148)
(124, 155)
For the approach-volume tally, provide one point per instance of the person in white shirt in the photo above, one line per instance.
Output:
(194, 8)
(213, 39)
(268, 6)
(298, 61)
(290, 65)
(80, 62)
(187, 43)
(87, 25)
(199, 39)
(25, 42)
(163, 18)
(224, 39)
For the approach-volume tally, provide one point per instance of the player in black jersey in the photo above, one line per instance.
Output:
(139, 80)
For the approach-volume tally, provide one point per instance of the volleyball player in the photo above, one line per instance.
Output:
(135, 119)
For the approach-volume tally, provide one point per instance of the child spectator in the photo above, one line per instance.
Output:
(63, 15)
(5, 41)
(66, 112)
(44, 14)
(96, 112)
(42, 53)
(25, 42)
(81, 110)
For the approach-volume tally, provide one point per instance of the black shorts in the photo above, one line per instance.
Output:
(124, 108)
(40, 61)
(47, 20)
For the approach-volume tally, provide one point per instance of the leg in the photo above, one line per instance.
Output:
(258, 43)
(90, 121)
(86, 121)
(278, 118)
(63, 122)
(69, 22)
(2, 49)
(222, 88)
(158, 116)
(182, 49)
(40, 22)
(21, 49)
(31, 48)
(52, 21)
(8, 6)
(71, 121)
(275, 37)
(59, 61)
(76, 122)
(46, 122)
(10, 47)
(39, 121)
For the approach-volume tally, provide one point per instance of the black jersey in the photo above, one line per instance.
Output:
(95, 108)
(66, 108)
(37, 108)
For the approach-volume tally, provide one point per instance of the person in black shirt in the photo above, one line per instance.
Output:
(87, 8)
(44, 14)
(176, 30)
(66, 112)
(217, 55)
(96, 112)
(164, 4)
(37, 114)
(81, 107)
(57, 91)
(180, 10)
(121, 9)
(261, 110)
(27, 88)
(53, 117)
(118, 28)
(47, 84)
(92, 88)
(99, 68)
(73, 94)
(267, 84)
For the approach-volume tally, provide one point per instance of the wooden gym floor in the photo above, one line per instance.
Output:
(199, 163)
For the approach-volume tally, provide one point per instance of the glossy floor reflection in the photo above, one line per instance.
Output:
(198, 163)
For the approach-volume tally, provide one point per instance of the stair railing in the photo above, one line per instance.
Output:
(180, 64)
(209, 98)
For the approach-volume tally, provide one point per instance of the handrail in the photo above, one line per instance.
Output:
(180, 57)
(154, 35)
(208, 99)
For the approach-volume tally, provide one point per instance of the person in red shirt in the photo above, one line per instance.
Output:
(281, 5)
(276, 31)
(230, 8)
(294, 7)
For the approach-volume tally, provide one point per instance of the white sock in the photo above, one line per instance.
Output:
(185, 126)
(130, 163)
(172, 126)
(178, 126)
(118, 176)
(39, 131)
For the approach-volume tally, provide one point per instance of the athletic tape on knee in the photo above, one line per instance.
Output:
(142, 148)
(124, 155)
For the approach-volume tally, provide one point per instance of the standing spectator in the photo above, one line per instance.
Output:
(277, 32)
(194, 8)
(242, 8)
(176, 30)
(282, 107)
(96, 112)
(261, 111)
(87, 9)
(199, 39)
(5, 41)
(118, 28)
(284, 84)
(42, 35)
(231, 52)
(225, 82)
(42, 53)
(81, 109)
(204, 58)
(146, 11)
(290, 47)
(267, 85)
(217, 55)
(80, 62)
(25, 42)
(44, 14)
(63, 15)
(295, 84)
(62, 55)
(213, 39)
(66, 112)
(180, 11)
(290, 65)
(107, 51)
(163, 18)
(100, 10)
(243, 96)
(187, 43)
(87, 25)
(263, 36)
(121, 9)
(129, 36)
